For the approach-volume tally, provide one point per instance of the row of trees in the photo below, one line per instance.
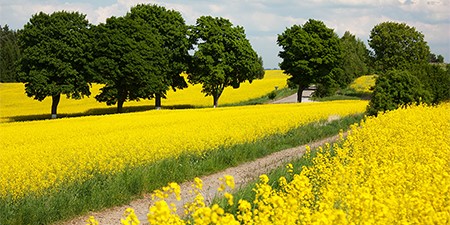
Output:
(142, 54)
(137, 56)
(407, 76)
(314, 54)
(9, 54)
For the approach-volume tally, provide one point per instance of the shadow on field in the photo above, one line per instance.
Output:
(94, 112)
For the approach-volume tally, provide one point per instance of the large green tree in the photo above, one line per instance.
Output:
(128, 59)
(10, 54)
(54, 57)
(398, 46)
(310, 53)
(224, 57)
(172, 31)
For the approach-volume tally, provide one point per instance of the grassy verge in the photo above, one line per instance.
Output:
(105, 191)
(274, 95)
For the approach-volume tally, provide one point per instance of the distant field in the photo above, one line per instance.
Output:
(15, 103)
(363, 84)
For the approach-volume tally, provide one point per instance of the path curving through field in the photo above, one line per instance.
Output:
(242, 174)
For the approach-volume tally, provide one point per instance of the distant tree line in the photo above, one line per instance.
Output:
(9, 54)
(142, 54)
(408, 72)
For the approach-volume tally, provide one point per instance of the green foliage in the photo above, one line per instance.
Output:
(436, 59)
(329, 84)
(309, 54)
(436, 80)
(55, 55)
(397, 46)
(172, 31)
(395, 89)
(355, 57)
(128, 59)
(224, 57)
(10, 54)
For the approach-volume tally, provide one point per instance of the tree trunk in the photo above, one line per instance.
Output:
(55, 102)
(158, 101)
(299, 93)
(216, 101)
(120, 105)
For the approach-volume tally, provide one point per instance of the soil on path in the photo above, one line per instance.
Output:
(242, 174)
(306, 97)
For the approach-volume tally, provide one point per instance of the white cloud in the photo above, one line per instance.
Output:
(263, 18)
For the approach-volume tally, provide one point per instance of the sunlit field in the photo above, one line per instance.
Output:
(393, 169)
(363, 84)
(15, 103)
(39, 155)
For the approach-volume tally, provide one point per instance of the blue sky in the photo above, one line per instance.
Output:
(263, 20)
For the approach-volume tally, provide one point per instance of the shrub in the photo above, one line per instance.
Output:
(395, 89)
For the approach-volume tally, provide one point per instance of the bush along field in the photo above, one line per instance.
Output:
(54, 169)
(394, 168)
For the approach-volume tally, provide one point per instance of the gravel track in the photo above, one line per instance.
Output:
(242, 174)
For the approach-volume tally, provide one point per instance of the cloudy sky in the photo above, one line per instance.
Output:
(263, 20)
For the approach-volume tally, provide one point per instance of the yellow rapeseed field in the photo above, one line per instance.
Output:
(363, 84)
(44, 154)
(14, 102)
(393, 169)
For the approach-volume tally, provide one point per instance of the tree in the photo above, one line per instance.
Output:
(436, 80)
(310, 52)
(172, 30)
(398, 46)
(440, 59)
(55, 56)
(224, 57)
(127, 59)
(395, 89)
(10, 54)
(354, 60)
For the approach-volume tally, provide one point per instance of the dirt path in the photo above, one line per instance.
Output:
(306, 97)
(242, 174)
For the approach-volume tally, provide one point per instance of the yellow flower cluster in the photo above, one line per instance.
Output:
(363, 84)
(14, 102)
(38, 155)
(393, 169)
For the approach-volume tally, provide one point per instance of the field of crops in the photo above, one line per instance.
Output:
(393, 169)
(14, 102)
(44, 154)
(363, 84)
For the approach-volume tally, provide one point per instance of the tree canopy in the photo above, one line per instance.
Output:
(55, 56)
(394, 89)
(224, 57)
(172, 31)
(355, 57)
(128, 59)
(10, 54)
(398, 46)
(310, 52)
